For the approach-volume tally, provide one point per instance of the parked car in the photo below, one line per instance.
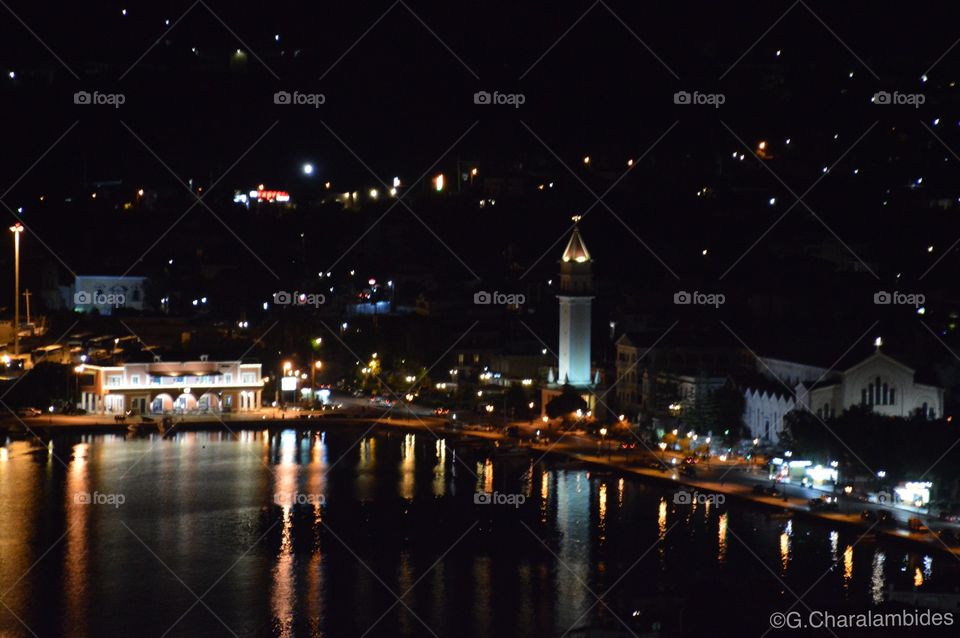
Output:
(765, 490)
(951, 516)
(687, 470)
(28, 412)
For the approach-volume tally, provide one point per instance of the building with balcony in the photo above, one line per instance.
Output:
(171, 387)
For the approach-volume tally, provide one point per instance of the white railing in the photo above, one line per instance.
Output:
(179, 386)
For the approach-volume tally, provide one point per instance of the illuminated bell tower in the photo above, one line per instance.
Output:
(576, 286)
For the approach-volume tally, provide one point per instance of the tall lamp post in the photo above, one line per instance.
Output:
(284, 371)
(313, 380)
(79, 370)
(16, 229)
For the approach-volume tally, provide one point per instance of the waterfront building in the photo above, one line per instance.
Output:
(171, 387)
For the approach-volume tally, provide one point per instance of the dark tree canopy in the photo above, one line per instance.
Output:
(566, 402)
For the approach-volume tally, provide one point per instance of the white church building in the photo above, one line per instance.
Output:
(886, 385)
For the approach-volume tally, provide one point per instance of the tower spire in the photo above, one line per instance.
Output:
(576, 250)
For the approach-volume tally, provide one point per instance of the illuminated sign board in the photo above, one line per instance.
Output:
(270, 196)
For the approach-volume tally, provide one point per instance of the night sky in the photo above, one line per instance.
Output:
(597, 80)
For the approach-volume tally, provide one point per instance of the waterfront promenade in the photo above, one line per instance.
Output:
(730, 479)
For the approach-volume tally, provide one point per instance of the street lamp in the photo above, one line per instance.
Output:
(16, 229)
(603, 436)
(79, 370)
(663, 446)
(313, 379)
(286, 366)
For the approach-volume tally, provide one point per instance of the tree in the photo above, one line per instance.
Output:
(517, 401)
(802, 430)
(566, 402)
(729, 404)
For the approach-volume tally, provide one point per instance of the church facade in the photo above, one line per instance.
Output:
(881, 382)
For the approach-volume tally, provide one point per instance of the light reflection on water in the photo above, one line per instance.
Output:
(722, 538)
(318, 486)
(847, 566)
(785, 545)
(284, 593)
(408, 467)
(78, 521)
(440, 469)
(877, 581)
(366, 469)
(572, 512)
(203, 499)
(19, 489)
(602, 524)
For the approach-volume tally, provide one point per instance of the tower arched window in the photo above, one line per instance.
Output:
(886, 394)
